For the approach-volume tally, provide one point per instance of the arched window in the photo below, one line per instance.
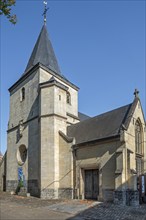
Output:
(68, 98)
(139, 147)
(138, 137)
(22, 94)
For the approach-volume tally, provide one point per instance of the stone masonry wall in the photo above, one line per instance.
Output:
(26, 111)
(99, 156)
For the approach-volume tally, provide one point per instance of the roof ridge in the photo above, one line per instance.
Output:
(104, 125)
(92, 118)
(112, 110)
(131, 111)
(126, 116)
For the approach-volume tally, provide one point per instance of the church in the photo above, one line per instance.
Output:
(54, 151)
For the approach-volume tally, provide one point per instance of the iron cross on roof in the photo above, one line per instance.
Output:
(136, 92)
(45, 12)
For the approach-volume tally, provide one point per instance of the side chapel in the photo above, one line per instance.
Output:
(58, 152)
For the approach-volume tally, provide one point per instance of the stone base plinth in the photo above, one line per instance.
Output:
(33, 187)
(61, 193)
(11, 185)
(108, 195)
(126, 197)
(65, 193)
(47, 193)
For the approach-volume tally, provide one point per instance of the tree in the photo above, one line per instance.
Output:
(5, 9)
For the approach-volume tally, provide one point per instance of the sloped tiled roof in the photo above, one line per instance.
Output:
(82, 116)
(99, 127)
(43, 53)
(43, 56)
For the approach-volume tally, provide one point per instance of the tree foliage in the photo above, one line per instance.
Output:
(5, 9)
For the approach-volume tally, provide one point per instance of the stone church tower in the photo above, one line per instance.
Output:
(42, 103)
(56, 152)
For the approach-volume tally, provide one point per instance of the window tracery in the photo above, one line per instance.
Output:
(139, 147)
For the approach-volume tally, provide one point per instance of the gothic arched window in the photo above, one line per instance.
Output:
(138, 137)
(139, 147)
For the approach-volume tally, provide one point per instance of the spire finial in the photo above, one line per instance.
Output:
(45, 11)
(136, 92)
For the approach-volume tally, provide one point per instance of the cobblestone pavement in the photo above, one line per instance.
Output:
(16, 207)
(107, 211)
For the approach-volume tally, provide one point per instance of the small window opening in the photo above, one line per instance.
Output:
(128, 162)
(22, 94)
(68, 98)
(59, 97)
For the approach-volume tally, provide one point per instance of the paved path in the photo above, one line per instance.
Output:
(16, 207)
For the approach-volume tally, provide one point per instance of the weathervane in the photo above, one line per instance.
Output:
(45, 12)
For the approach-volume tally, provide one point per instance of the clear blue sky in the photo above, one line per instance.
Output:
(100, 46)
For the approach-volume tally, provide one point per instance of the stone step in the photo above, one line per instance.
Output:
(22, 191)
(22, 194)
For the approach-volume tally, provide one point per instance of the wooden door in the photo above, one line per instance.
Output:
(88, 184)
(91, 184)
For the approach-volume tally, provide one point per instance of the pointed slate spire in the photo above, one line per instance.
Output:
(43, 53)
